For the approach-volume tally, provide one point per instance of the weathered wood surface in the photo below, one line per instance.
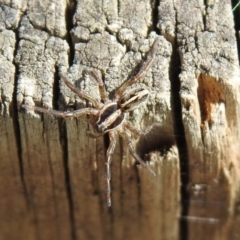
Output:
(52, 174)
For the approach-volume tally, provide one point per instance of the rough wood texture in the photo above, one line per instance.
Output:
(52, 174)
(210, 113)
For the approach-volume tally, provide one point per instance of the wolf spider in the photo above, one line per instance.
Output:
(109, 115)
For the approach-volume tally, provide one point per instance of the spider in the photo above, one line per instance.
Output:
(109, 115)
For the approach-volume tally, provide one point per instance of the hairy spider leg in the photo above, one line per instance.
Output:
(113, 141)
(133, 152)
(81, 94)
(142, 72)
(138, 132)
(102, 90)
(77, 113)
(133, 129)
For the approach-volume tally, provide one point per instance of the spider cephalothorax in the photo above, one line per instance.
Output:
(109, 115)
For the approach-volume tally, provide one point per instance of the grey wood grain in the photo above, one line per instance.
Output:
(52, 173)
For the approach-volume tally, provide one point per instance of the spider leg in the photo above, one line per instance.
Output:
(102, 90)
(79, 92)
(132, 128)
(133, 152)
(138, 132)
(113, 140)
(56, 113)
(142, 72)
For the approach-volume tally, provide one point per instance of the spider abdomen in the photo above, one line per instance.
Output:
(110, 117)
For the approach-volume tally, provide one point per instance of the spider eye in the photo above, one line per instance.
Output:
(133, 99)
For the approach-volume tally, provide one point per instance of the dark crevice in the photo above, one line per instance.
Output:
(14, 112)
(71, 9)
(204, 16)
(236, 14)
(56, 89)
(64, 144)
(175, 70)
(155, 4)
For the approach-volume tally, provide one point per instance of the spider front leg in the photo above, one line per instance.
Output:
(77, 113)
(113, 141)
(79, 92)
(138, 132)
(102, 90)
(133, 152)
(142, 72)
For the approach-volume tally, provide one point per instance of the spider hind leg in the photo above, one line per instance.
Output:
(134, 153)
(112, 145)
(62, 114)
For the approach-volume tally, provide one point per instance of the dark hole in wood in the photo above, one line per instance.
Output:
(158, 138)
